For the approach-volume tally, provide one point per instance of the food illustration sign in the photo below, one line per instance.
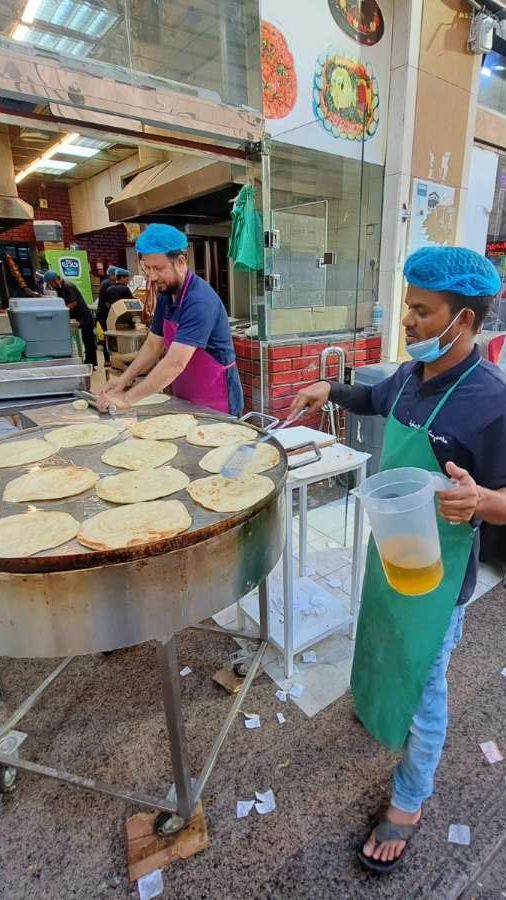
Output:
(326, 76)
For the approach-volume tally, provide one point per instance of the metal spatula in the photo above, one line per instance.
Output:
(236, 466)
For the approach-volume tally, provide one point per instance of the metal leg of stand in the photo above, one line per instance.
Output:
(302, 529)
(356, 566)
(288, 587)
(169, 669)
(263, 602)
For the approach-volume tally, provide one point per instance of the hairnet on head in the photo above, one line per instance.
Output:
(50, 275)
(454, 269)
(111, 270)
(161, 239)
(122, 273)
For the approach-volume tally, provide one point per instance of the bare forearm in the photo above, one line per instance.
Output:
(492, 506)
(143, 362)
(159, 378)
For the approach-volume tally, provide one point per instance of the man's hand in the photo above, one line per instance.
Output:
(459, 504)
(112, 385)
(311, 398)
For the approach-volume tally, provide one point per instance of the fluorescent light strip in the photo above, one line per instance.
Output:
(52, 151)
(20, 33)
(30, 11)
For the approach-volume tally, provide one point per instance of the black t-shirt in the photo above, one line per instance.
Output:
(73, 298)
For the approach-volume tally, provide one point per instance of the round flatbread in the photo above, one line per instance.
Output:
(80, 405)
(146, 484)
(20, 453)
(226, 495)
(264, 457)
(153, 400)
(51, 483)
(81, 435)
(32, 532)
(220, 434)
(137, 454)
(145, 523)
(164, 428)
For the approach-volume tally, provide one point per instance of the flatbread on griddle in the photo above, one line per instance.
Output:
(139, 454)
(153, 400)
(32, 532)
(20, 453)
(220, 434)
(264, 457)
(164, 428)
(142, 485)
(81, 435)
(225, 495)
(145, 523)
(50, 483)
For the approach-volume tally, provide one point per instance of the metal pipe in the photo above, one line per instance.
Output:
(167, 658)
(333, 351)
(216, 629)
(30, 701)
(234, 709)
(89, 784)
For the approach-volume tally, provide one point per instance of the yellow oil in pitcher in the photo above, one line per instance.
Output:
(409, 565)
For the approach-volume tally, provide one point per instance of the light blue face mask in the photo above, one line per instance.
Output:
(430, 350)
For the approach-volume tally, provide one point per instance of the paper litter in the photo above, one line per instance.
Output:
(266, 802)
(334, 581)
(309, 656)
(296, 691)
(281, 719)
(150, 885)
(308, 570)
(491, 752)
(281, 695)
(503, 673)
(244, 808)
(251, 720)
(186, 671)
(459, 834)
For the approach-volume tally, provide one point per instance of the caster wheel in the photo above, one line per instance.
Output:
(168, 823)
(241, 670)
(8, 775)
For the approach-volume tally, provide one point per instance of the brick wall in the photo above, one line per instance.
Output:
(108, 245)
(290, 367)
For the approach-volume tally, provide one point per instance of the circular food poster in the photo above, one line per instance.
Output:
(345, 97)
(279, 79)
(362, 20)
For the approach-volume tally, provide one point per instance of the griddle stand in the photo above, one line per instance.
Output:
(175, 815)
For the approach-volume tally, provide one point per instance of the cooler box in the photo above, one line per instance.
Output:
(43, 323)
(366, 432)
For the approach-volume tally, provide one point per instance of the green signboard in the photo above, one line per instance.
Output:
(73, 266)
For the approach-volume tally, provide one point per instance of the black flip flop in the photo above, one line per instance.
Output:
(387, 831)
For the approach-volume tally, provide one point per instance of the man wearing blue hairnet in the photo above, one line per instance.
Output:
(190, 324)
(446, 413)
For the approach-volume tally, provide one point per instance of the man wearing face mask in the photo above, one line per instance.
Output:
(446, 412)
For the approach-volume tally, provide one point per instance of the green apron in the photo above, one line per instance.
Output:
(399, 637)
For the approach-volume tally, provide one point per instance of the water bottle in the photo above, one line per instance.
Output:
(377, 318)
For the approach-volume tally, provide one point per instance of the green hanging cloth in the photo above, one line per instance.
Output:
(246, 242)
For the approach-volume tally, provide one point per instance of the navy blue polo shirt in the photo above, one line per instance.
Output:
(202, 320)
(470, 430)
(203, 323)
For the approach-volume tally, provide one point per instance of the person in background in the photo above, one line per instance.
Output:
(191, 324)
(110, 278)
(446, 413)
(118, 291)
(79, 311)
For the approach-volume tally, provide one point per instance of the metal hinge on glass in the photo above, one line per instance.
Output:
(273, 282)
(272, 239)
(328, 259)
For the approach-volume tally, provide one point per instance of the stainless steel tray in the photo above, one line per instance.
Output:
(16, 384)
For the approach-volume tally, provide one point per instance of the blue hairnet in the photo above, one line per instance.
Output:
(50, 275)
(454, 269)
(111, 270)
(161, 239)
(122, 273)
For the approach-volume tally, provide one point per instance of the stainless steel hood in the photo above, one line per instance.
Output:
(175, 183)
(13, 211)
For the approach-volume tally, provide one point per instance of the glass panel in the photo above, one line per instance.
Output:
(204, 44)
(299, 259)
(493, 82)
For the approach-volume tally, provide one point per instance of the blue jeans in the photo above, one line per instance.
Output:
(414, 776)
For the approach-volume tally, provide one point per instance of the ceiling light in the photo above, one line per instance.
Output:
(20, 33)
(54, 165)
(30, 11)
(78, 150)
(52, 151)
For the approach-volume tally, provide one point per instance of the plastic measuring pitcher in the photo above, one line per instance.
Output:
(402, 512)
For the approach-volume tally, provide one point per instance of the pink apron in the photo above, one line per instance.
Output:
(204, 381)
